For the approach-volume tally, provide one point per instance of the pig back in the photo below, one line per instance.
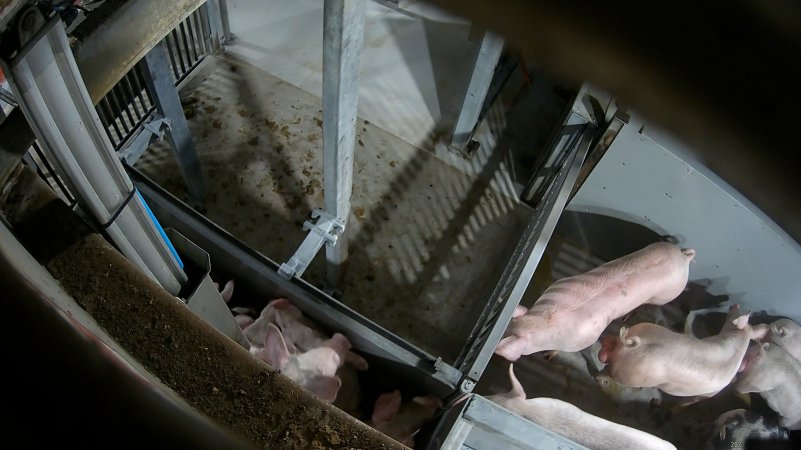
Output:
(676, 363)
(655, 274)
(584, 428)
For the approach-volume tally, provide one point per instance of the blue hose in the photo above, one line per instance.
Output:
(158, 227)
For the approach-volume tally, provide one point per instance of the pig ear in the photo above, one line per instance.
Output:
(356, 361)
(778, 330)
(742, 321)
(759, 331)
(520, 310)
(386, 406)
(243, 321)
(511, 347)
(284, 305)
(227, 291)
(689, 253)
(275, 347)
(325, 388)
(340, 344)
(632, 341)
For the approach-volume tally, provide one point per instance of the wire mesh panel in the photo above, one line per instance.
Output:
(188, 44)
(129, 104)
(125, 107)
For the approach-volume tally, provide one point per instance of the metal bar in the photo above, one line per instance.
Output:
(125, 107)
(226, 24)
(214, 22)
(256, 273)
(7, 97)
(200, 37)
(179, 53)
(162, 86)
(190, 33)
(110, 118)
(613, 127)
(51, 93)
(171, 47)
(59, 182)
(139, 109)
(343, 33)
(137, 144)
(489, 52)
(190, 60)
(517, 275)
(490, 426)
(138, 78)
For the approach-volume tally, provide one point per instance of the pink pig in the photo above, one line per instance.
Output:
(304, 333)
(571, 422)
(771, 371)
(649, 355)
(786, 334)
(402, 421)
(315, 370)
(573, 312)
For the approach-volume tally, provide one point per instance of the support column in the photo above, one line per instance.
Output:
(161, 85)
(343, 32)
(489, 52)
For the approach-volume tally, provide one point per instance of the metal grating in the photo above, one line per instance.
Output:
(129, 104)
(126, 107)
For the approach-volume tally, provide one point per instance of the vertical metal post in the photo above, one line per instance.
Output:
(161, 84)
(226, 25)
(212, 24)
(489, 52)
(343, 33)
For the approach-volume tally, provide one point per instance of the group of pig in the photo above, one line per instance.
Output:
(573, 313)
(284, 338)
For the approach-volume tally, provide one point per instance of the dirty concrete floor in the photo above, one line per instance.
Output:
(428, 242)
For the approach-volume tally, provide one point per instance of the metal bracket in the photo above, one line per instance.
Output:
(136, 147)
(8, 97)
(325, 230)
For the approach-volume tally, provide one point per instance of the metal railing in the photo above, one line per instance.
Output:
(129, 104)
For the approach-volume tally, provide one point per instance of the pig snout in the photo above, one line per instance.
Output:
(608, 344)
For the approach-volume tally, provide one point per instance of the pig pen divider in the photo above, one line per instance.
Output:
(571, 144)
(260, 274)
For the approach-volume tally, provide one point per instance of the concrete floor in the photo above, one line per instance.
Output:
(428, 241)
